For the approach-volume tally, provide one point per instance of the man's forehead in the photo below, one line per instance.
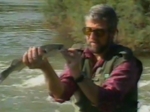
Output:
(96, 24)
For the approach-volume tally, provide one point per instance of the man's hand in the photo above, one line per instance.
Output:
(73, 61)
(33, 58)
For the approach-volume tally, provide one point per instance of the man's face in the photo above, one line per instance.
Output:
(97, 36)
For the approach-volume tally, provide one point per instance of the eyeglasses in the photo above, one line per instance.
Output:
(98, 32)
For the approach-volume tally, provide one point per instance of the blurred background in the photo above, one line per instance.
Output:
(25, 23)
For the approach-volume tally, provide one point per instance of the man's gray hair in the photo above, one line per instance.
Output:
(103, 12)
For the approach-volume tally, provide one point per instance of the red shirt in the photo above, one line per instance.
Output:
(122, 79)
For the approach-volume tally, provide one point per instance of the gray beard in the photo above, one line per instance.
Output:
(99, 50)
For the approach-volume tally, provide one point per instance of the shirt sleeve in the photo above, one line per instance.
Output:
(70, 87)
(122, 79)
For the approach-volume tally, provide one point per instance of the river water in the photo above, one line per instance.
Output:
(25, 91)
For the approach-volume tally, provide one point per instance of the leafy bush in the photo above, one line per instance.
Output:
(66, 17)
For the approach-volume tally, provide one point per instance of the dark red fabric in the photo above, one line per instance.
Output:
(122, 79)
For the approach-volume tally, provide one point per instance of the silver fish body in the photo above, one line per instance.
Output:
(17, 64)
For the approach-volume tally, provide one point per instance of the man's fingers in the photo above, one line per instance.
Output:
(72, 53)
(29, 55)
(33, 58)
(66, 55)
(75, 51)
(40, 51)
(25, 59)
(34, 53)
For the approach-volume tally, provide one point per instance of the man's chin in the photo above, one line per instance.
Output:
(94, 50)
(97, 50)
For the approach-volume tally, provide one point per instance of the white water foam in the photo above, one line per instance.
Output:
(144, 108)
(34, 81)
(143, 83)
(37, 80)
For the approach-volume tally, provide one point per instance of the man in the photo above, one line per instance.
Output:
(103, 78)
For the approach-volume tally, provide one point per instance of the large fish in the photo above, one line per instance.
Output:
(17, 65)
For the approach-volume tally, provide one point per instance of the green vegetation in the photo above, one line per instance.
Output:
(66, 17)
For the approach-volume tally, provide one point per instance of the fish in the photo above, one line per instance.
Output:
(18, 65)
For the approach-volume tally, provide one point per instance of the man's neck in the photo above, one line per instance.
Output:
(99, 56)
(102, 56)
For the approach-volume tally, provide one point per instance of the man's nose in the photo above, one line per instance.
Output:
(92, 35)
